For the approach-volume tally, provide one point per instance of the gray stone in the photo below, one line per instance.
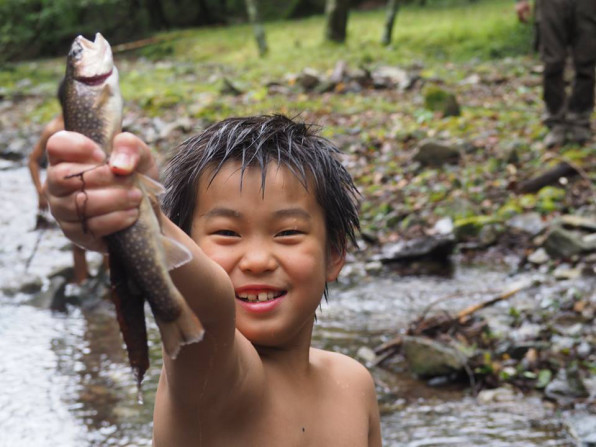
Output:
(444, 226)
(560, 243)
(581, 222)
(539, 257)
(308, 79)
(531, 223)
(435, 247)
(434, 153)
(366, 354)
(391, 77)
(428, 358)
(48, 298)
(566, 387)
(32, 285)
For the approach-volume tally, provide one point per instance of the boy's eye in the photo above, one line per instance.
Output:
(287, 233)
(226, 233)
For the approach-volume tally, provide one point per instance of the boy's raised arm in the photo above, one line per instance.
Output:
(110, 203)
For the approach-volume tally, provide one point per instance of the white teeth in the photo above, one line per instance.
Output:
(258, 297)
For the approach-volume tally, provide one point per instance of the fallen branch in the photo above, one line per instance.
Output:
(441, 323)
(464, 314)
(550, 177)
(136, 44)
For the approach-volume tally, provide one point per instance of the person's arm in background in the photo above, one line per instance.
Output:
(523, 10)
(37, 155)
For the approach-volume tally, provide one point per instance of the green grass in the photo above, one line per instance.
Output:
(433, 34)
(441, 32)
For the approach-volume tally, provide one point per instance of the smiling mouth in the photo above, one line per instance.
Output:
(259, 297)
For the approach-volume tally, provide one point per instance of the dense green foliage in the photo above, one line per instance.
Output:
(33, 28)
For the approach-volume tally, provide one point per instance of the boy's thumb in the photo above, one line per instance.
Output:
(125, 154)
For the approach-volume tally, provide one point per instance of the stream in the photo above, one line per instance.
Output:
(66, 381)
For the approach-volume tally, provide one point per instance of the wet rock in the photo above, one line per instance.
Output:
(32, 285)
(434, 153)
(435, 247)
(471, 227)
(583, 428)
(373, 267)
(366, 354)
(539, 257)
(496, 395)
(428, 358)
(567, 386)
(580, 222)
(51, 297)
(530, 223)
(561, 243)
(443, 226)
(565, 272)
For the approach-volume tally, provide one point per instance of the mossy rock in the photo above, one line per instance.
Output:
(439, 100)
(471, 227)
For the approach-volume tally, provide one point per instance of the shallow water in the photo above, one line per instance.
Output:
(66, 381)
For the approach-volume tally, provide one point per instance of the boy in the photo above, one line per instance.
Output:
(267, 211)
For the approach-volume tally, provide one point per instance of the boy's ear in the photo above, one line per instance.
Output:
(335, 263)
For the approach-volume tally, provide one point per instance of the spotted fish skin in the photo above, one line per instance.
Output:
(140, 256)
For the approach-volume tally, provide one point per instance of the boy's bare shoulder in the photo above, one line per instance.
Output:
(351, 387)
(342, 368)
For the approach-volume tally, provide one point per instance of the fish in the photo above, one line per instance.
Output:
(140, 256)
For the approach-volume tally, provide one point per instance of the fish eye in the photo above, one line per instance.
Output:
(76, 50)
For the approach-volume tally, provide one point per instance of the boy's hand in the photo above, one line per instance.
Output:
(89, 198)
(523, 10)
(42, 201)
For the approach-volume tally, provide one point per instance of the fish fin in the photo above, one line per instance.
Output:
(153, 188)
(103, 97)
(131, 319)
(176, 254)
(184, 330)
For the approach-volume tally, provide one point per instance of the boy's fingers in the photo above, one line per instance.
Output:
(130, 153)
(93, 203)
(65, 178)
(90, 237)
(73, 147)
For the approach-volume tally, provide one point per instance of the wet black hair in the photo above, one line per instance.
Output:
(257, 141)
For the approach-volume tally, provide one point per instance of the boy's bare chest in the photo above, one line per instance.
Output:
(304, 422)
(326, 417)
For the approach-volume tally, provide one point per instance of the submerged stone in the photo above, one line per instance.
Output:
(429, 358)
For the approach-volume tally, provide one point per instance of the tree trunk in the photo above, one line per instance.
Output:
(259, 30)
(392, 8)
(337, 20)
(156, 14)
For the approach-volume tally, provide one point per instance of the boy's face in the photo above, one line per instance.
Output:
(272, 245)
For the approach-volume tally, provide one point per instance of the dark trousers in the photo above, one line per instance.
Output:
(568, 27)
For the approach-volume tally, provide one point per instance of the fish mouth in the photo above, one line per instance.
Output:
(259, 296)
(92, 60)
(94, 80)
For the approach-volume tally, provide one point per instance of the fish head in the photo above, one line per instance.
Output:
(90, 62)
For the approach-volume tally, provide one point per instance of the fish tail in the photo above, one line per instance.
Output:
(184, 330)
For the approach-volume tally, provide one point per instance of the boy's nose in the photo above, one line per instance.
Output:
(257, 259)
